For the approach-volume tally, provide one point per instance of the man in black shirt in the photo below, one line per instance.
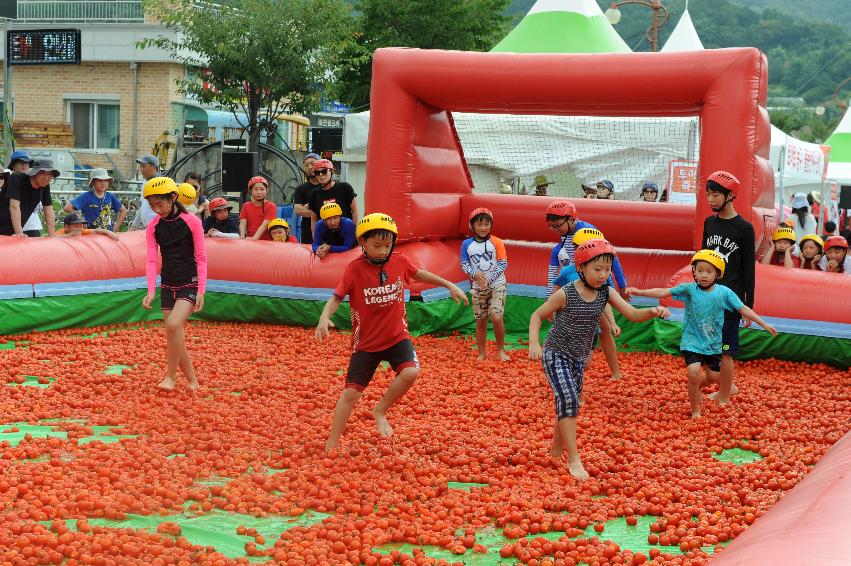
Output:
(301, 198)
(330, 190)
(21, 194)
(733, 237)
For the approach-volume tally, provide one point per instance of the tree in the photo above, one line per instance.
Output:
(256, 58)
(465, 25)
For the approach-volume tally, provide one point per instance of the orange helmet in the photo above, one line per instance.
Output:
(591, 249)
(561, 208)
(258, 179)
(479, 211)
(726, 180)
(836, 242)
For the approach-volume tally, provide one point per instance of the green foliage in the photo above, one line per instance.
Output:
(466, 25)
(259, 57)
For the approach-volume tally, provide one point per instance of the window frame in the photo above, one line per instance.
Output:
(94, 102)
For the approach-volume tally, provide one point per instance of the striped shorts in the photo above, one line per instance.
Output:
(565, 376)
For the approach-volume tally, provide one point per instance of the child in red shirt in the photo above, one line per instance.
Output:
(375, 284)
(812, 246)
(782, 246)
(258, 212)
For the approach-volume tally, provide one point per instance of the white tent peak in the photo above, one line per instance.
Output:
(587, 8)
(844, 126)
(684, 37)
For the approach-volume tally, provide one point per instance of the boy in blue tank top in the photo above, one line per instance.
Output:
(706, 303)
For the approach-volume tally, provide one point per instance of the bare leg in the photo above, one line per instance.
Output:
(558, 442)
(178, 356)
(725, 381)
(499, 334)
(610, 350)
(342, 412)
(397, 388)
(695, 380)
(482, 337)
(567, 428)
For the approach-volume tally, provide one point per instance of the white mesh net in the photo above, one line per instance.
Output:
(505, 152)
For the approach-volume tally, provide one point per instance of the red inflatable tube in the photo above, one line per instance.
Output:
(629, 224)
(810, 525)
(792, 293)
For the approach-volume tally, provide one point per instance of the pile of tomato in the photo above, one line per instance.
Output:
(266, 399)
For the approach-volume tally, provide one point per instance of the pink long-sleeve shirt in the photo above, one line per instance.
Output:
(180, 239)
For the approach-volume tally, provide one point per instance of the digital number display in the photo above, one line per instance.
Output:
(43, 47)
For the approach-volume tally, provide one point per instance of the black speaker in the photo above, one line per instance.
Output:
(327, 139)
(845, 197)
(237, 168)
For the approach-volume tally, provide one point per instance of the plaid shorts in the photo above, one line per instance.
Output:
(488, 302)
(565, 376)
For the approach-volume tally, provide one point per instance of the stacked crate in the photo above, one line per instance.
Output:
(42, 134)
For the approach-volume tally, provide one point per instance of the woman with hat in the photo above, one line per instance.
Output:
(97, 204)
(802, 221)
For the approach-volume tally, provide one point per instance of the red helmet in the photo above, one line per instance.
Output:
(726, 180)
(561, 208)
(836, 242)
(323, 164)
(258, 179)
(479, 211)
(591, 249)
(218, 203)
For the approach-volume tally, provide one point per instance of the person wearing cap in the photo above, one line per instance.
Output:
(149, 167)
(20, 195)
(330, 190)
(541, 184)
(589, 192)
(802, 221)
(75, 225)
(20, 162)
(255, 215)
(301, 198)
(649, 191)
(219, 224)
(333, 233)
(97, 204)
(733, 237)
(605, 190)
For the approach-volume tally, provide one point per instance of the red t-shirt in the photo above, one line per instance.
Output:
(779, 258)
(378, 311)
(255, 215)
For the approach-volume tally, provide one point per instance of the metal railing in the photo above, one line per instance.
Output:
(65, 188)
(80, 11)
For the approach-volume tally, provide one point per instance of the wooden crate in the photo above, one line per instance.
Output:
(29, 133)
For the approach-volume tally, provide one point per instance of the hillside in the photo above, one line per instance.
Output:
(833, 11)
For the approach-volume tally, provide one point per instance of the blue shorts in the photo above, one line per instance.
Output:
(730, 335)
(565, 376)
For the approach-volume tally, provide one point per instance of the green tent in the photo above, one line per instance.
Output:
(563, 26)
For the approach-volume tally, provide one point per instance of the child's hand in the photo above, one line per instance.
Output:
(482, 279)
(458, 295)
(146, 302)
(112, 235)
(632, 291)
(771, 329)
(199, 303)
(616, 330)
(535, 352)
(323, 330)
(661, 312)
(832, 265)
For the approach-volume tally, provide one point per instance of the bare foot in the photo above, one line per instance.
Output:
(193, 384)
(482, 356)
(577, 470)
(167, 384)
(384, 428)
(695, 415)
(582, 398)
(331, 449)
(556, 452)
(733, 391)
(503, 356)
(616, 376)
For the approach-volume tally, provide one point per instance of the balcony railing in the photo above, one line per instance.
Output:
(80, 11)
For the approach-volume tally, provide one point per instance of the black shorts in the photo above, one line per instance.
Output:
(730, 334)
(362, 365)
(712, 361)
(169, 296)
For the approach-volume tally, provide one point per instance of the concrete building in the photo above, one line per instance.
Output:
(121, 100)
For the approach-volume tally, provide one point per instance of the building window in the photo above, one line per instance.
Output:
(96, 125)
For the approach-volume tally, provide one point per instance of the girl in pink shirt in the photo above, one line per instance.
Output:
(179, 237)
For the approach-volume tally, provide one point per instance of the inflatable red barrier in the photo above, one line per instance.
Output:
(808, 526)
(792, 293)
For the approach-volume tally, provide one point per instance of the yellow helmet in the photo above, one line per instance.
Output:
(584, 234)
(375, 221)
(278, 223)
(330, 209)
(815, 238)
(186, 193)
(784, 233)
(159, 186)
(712, 257)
